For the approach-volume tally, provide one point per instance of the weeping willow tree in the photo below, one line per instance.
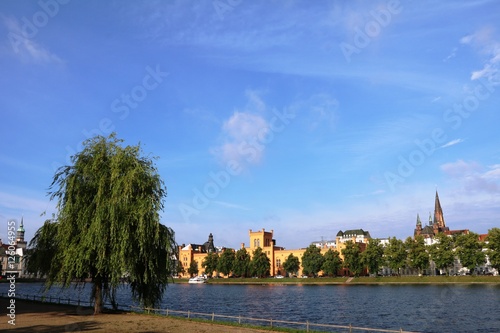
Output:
(108, 225)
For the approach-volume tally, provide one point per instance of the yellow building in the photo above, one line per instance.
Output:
(276, 254)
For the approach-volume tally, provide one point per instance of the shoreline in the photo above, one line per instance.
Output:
(394, 280)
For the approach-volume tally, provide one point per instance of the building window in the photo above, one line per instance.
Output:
(278, 262)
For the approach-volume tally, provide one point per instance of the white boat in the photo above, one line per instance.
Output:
(197, 279)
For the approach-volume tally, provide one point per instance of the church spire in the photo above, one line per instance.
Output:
(438, 213)
(20, 231)
(418, 220)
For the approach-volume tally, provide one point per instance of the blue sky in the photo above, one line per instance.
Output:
(297, 116)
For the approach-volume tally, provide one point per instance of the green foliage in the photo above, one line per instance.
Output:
(260, 264)
(108, 225)
(494, 247)
(180, 268)
(442, 252)
(210, 263)
(193, 268)
(312, 260)
(373, 256)
(42, 250)
(291, 264)
(352, 258)
(418, 257)
(395, 254)
(470, 250)
(226, 261)
(241, 264)
(331, 263)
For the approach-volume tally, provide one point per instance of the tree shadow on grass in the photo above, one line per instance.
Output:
(82, 326)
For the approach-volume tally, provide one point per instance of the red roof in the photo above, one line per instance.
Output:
(483, 237)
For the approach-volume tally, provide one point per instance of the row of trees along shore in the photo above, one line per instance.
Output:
(396, 255)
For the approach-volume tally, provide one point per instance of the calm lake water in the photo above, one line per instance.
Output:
(421, 308)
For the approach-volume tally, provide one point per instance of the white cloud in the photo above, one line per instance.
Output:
(486, 44)
(244, 126)
(241, 134)
(244, 134)
(493, 173)
(452, 143)
(25, 47)
(460, 168)
(473, 178)
(230, 205)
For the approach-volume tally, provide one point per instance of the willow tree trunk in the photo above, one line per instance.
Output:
(98, 301)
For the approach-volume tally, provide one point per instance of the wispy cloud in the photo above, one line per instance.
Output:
(452, 55)
(460, 168)
(487, 45)
(452, 143)
(473, 177)
(230, 205)
(25, 48)
(322, 110)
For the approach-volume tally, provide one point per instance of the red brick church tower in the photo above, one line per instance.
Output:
(435, 225)
(438, 215)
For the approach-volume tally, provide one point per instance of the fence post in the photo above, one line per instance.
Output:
(59, 301)
(189, 314)
(350, 328)
(213, 315)
(239, 319)
(167, 312)
(307, 326)
(271, 323)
